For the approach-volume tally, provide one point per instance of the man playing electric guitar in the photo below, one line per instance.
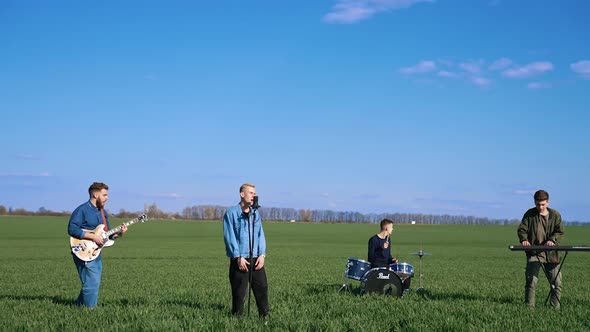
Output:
(87, 217)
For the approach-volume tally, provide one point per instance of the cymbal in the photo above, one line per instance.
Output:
(420, 253)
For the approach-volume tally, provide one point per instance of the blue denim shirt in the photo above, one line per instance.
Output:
(85, 216)
(235, 233)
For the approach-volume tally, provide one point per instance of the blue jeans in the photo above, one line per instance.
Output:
(89, 273)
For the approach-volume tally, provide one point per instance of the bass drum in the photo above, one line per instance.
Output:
(381, 280)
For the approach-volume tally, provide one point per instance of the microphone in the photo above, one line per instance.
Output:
(255, 204)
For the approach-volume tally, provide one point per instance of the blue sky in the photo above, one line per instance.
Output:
(445, 107)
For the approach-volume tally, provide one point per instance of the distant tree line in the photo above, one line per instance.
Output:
(215, 212)
(42, 211)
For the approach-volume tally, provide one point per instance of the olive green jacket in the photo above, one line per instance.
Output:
(527, 230)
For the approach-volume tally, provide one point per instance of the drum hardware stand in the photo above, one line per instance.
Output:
(420, 254)
(345, 285)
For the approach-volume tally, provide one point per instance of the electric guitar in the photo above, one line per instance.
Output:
(87, 250)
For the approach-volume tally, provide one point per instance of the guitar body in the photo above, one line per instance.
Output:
(87, 250)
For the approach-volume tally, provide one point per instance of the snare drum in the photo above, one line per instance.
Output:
(403, 270)
(356, 268)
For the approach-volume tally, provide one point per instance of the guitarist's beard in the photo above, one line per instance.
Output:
(99, 204)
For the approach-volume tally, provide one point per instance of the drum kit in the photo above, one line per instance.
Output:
(393, 280)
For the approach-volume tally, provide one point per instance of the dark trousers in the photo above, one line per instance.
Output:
(239, 288)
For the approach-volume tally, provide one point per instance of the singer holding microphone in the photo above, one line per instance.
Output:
(245, 246)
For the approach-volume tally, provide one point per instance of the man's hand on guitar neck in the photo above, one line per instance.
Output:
(122, 232)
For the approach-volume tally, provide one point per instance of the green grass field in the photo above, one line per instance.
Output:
(172, 275)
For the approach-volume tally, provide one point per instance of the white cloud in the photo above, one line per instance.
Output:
(582, 68)
(422, 67)
(168, 195)
(348, 12)
(472, 67)
(472, 72)
(445, 73)
(351, 11)
(29, 175)
(532, 69)
(482, 73)
(538, 85)
(500, 64)
(480, 81)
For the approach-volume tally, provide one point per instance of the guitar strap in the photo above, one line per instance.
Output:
(104, 220)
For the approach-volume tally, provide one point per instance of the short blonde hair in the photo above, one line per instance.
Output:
(242, 187)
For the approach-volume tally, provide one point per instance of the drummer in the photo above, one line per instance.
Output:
(380, 246)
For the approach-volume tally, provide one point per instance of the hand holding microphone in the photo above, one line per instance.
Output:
(255, 203)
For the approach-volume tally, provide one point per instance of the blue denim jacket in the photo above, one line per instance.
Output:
(235, 233)
(85, 216)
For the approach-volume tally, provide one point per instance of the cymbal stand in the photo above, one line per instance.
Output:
(420, 254)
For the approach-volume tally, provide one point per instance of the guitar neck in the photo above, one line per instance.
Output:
(128, 223)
